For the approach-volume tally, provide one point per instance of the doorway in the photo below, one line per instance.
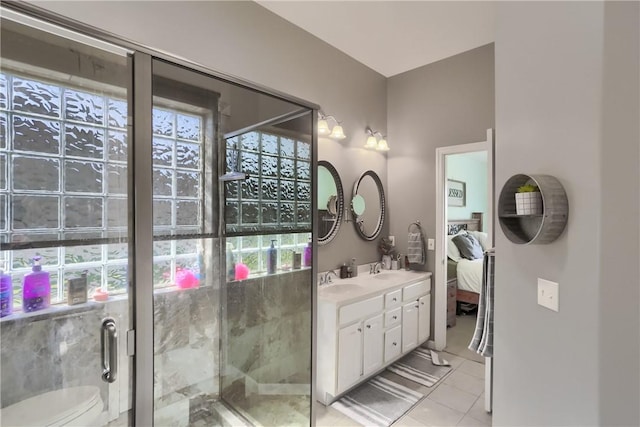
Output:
(460, 202)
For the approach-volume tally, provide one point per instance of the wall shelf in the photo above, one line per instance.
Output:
(533, 229)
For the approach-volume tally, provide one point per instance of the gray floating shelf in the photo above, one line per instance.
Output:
(533, 229)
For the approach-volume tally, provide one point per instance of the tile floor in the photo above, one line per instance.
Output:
(457, 400)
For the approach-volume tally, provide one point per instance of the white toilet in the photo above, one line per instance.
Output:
(74, 406)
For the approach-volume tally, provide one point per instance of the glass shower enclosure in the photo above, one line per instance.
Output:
(167, 207)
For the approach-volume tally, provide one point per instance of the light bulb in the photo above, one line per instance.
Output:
(372, 142)
(337, 133)
(382, 145)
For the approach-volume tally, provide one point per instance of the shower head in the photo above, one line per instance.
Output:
(233, 176)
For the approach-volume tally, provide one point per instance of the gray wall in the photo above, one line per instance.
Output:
(449, 102)
(619, 150)
(246, 40)
(578, 366)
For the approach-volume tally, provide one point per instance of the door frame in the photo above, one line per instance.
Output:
(440, 306)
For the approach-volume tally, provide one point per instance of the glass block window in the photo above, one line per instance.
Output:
(252, 251)
(64, 178)
(62, 162)
(276, 196)
(177, 172)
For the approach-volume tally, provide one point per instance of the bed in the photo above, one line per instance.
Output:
(465, 274)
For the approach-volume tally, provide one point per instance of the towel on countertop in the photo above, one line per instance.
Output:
(415, 249)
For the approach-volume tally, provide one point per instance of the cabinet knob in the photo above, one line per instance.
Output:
(417, 306)
(422, 303)
(395, 343)
(395, 299)
(368, 326)
(359, 329)
(395, 317)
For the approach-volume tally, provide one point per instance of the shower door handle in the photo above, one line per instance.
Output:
(109, 350)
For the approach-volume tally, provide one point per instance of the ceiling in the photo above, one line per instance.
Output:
(392, 37)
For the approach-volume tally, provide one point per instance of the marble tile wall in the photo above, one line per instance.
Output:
(186, 341)
(266, 337)
(51, 350)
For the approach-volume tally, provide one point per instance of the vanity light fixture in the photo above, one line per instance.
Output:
(373, 143)
(324, 129)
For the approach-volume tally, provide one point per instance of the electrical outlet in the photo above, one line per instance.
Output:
(431, 244)
(548, 294)
(392, 239)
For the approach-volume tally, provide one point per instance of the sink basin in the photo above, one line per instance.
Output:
(341, 288)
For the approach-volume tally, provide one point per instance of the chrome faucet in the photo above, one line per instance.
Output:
(325, 278)
(375, 268)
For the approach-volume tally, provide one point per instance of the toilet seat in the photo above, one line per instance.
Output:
(69, 406)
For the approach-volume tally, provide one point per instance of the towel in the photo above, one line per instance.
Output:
(415, 249)
(482, 341)
(436, 360)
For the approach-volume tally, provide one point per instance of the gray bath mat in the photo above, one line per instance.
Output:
(378, 402)
(418, 366)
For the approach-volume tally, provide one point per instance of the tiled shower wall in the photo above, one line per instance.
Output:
(266, 342)
(52, 350)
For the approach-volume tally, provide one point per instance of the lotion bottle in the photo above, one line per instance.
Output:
(306, 257)
(272, 257)
(36, 288)
(6, 294)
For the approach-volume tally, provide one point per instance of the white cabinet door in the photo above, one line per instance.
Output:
(373, 345)
(409, 326)
(424, 318)
(392, 342)
(349, 355)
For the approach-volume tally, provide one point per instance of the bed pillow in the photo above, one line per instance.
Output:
(481, 237)
(452, 249)
(468, 246)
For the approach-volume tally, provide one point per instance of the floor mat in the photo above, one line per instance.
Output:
(378, 402)
(417, 366)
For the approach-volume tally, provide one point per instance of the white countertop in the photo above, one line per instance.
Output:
(345, 291)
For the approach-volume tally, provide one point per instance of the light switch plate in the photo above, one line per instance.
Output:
(548, 294)
(431, 244)
(392, 239)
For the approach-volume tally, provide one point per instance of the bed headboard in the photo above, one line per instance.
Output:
(473, 224)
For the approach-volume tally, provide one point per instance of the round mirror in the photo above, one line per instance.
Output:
(330, 202)
(368, 205)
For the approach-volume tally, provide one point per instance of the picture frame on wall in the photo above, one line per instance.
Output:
(456, 193)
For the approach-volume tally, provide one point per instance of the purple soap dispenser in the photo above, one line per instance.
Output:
(36, 288)
(6, 294)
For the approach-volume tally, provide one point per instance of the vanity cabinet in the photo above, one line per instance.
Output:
(372, 345)
(358, 337)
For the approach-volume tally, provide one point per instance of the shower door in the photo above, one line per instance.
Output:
(64, 153)
(231, 172)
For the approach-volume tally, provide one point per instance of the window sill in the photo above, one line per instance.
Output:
(57, 310)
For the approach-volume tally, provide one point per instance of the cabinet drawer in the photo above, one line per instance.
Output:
(393, 299)
(360, 309)
(417, 289)
(392, 343)
(393, 317)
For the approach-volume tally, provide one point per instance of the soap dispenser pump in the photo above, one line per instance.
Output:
(272, 256)
(36, 288)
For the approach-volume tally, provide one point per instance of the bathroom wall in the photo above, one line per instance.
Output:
(267, 347)
(248, 41)
(448, 102)
(567, 105)
(60, 347)
(470, 168)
